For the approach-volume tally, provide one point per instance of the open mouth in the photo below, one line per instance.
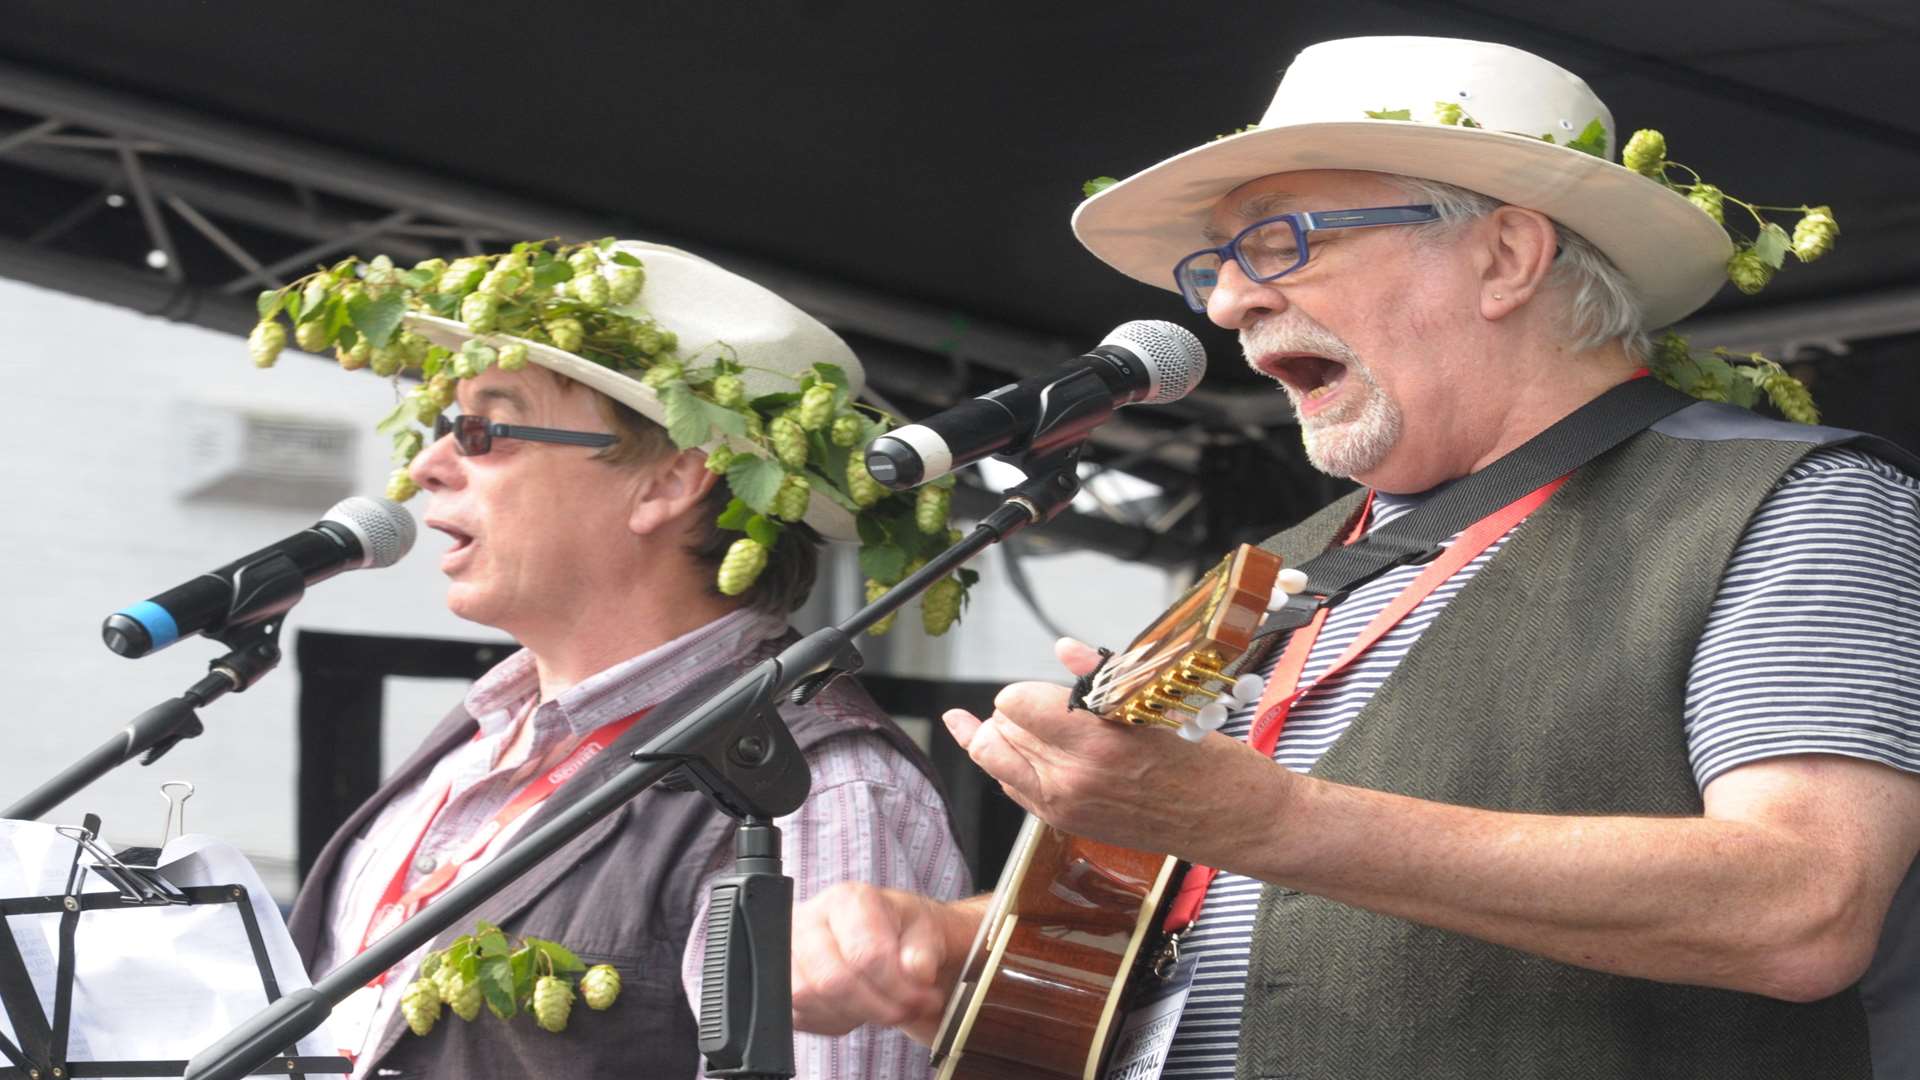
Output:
(461, 539)
(1309, 376)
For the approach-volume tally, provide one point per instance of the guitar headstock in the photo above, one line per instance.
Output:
(1173, 674)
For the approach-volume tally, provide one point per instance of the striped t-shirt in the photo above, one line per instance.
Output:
(1812, 645)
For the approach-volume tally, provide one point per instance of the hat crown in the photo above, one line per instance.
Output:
(1502, 88)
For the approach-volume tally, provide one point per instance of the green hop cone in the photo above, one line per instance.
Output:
(566, 333)
(357, 357)
(663, 373)
(436, 267)
(1815, 233)
(719, 458)
(455, 276)
(875, 591)
(314, 293)
(265, 343)
(1449, 113)
(1790, 396)
(930, 508)
(790, 502)
(552, 1001)
(846, 430)
(650, 339)
(584, 261)
(1646, 153)
(460, 992)
(400, 485)
(440, 390)
(816, 407)
(592, 289)
(442, 979)
(425, 408)
(741, 566)
(1749, 271)
(1709, 199)
(481, 312)
(420, 1004)
(504, 282)
(625, 283)
(600, 986)
(407, 444)
(940, 605)
(513, 357)
(380, 273)
(474, 358)
(387, 362)
(789, 442)
(861, 485)
(312, 336)
(512, 263)
(729, 392)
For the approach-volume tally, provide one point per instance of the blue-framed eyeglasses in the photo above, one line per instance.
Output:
(1276, 246)
(474, 436)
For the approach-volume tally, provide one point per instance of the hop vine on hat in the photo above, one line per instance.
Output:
(778, 451)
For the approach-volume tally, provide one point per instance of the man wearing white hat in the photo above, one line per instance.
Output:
(579, 527)
(1619, 781)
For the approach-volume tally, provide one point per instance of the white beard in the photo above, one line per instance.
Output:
(1352, 437)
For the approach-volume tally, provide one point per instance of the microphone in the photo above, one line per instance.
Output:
(358, 532)
(1146, 361)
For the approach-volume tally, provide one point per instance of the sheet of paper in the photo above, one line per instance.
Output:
(151, 983)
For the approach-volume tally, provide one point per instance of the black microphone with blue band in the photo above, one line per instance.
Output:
(357, 533)
(1142, 362)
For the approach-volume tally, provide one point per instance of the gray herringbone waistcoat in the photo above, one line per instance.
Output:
(1552, 683)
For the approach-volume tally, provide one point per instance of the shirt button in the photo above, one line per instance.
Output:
(424, 864)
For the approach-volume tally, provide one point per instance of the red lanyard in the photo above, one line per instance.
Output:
(1283, 687)
(398, 903)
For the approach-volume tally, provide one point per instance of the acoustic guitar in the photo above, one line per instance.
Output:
(1071, 918)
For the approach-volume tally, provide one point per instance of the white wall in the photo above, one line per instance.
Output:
(89, 472)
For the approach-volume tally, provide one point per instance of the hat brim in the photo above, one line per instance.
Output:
(827, 517)
(1671, 252)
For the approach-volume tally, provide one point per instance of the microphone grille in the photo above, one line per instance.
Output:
(1173, 357)
(385, 529)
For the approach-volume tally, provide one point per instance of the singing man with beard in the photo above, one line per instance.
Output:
(1626, 786)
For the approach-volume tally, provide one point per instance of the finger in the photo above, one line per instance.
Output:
(961, 724)
(1078, 656)
(992, 749)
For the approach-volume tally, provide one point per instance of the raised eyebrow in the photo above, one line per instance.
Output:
(1264, 205)
(501, 395)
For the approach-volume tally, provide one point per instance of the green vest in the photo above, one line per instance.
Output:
(1552, 683)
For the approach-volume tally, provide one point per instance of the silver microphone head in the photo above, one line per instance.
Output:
(1173, 357)
(384, 528)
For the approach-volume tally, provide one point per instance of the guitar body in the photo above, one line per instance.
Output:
(1041, 991)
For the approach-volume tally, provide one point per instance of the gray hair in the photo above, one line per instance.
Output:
(1602, 305)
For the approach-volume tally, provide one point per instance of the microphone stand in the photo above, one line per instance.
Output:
(735, 749)
(251, 631)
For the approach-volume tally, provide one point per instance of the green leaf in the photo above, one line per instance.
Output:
(522, 962)
(490, 942)
(320, 310)
(1390, 114)
(338, 318)
(625, 258)
(558, 955)
(771, 403)
(269, 303)
(821, 485)
(1772, 245)
(398, 420)
(734, 516)
(436, 360)
(883, 562)
(724, 418)
(551, 273)
(755, 481)
(833, 375)
(967, 577)
(871, 531)
(432, 963)
(1592, 139)
(496, 982)
(687, 422)
(418, 280)
(764, 532)
(1097, 185)
(445, 305)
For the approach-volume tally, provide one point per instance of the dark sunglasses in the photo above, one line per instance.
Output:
(473, 435)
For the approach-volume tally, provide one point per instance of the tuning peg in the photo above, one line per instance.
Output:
(1247, 689)
(1209, 717)
(1288, 582)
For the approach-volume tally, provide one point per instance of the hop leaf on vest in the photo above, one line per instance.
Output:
(481, 312)
(790, 502)
(741, 566)
(1709, 199)
(1749, 271)
(875, 591)
(420, 1004)
(552, 1001)
(265, 343)
(400, 485)
(600, 986)
(729, 392)
(940, 605)
(719, 458)
(789, 442)
(1813, 236)
(816, 407)
(1646, 153)
(930, 508)
(312, 336)
(846, 430)
(459, 992)
(566, 333)
(861, 485)
(513, 357)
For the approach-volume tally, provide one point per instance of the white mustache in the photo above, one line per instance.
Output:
(1297, 334)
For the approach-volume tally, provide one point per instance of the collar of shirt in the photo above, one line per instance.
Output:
(513, 686)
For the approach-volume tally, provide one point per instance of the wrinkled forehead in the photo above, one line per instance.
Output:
(1281, 193)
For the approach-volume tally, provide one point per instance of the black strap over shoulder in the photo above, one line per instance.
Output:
(1418, 536)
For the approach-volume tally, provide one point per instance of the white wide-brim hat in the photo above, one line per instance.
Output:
(1672, 253)
(704, 305)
